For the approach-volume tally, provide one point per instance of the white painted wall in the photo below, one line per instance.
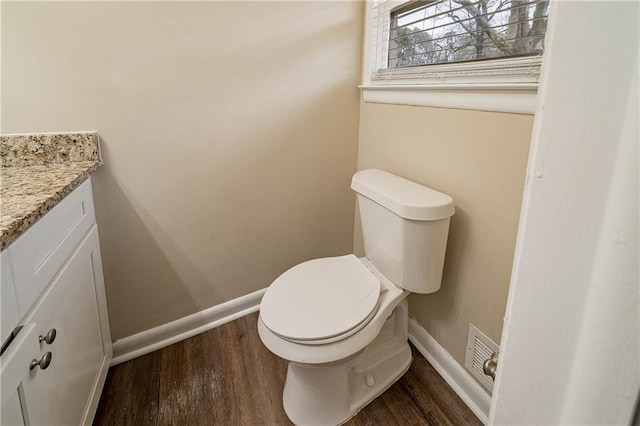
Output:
(570, 349)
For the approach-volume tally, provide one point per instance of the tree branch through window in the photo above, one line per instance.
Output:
(446, 31)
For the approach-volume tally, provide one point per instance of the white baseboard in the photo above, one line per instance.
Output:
(453, 373)
(167, 334)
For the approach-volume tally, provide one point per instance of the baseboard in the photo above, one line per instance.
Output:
(167, 334)
(453, 373)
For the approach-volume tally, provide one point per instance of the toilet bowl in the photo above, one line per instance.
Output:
(342, 322)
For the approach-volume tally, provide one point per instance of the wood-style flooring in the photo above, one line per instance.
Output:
(227, 377)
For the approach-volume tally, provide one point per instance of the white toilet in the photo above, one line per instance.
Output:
(342, 322)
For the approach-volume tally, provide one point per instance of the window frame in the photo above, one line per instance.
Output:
(499, 85)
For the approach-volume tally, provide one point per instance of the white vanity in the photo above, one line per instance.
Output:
(54, 321)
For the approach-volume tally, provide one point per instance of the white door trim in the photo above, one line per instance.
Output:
(570, 347)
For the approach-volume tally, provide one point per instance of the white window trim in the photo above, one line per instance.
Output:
(501, 85)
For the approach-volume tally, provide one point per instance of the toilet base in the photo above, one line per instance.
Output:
(330, 394)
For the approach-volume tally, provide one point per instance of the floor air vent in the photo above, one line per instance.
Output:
(479, 349)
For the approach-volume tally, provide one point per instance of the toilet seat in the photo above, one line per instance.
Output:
(321, 301)
(391, 296)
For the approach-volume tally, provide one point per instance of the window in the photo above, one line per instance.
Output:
(448, 31)
(468, 45)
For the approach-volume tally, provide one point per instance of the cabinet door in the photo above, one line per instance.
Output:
(80, 356)
(9, 314)
(14, 372)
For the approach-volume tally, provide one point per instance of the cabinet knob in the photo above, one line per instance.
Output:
(49, 337)
(43, 363)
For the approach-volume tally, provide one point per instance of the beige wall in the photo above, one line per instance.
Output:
(229, 133)
(478, 158)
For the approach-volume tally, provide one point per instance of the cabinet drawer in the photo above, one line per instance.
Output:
(41, 251)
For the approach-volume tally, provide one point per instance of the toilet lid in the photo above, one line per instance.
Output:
(320, 299)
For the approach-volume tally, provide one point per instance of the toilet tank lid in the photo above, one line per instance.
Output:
(403, 197)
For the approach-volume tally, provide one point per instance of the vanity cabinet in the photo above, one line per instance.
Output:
(54, 369)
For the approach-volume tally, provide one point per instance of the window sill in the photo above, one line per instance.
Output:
(509, 98)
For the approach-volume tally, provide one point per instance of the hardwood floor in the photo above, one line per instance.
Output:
(227, 377)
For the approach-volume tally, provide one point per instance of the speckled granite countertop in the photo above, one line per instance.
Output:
(37, 172)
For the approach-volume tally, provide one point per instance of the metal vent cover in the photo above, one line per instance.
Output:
(479, 349)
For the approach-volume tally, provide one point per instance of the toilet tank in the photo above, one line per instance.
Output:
(405, 228)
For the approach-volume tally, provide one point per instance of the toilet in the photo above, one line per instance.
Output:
(342, 322)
